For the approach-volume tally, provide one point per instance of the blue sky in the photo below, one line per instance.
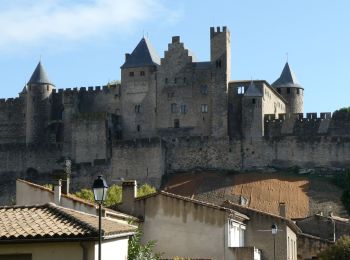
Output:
(83, 42)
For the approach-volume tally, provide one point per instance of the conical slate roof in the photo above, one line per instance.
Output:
(39, 76)
(143, 55)
(287, 78)
(253, 91)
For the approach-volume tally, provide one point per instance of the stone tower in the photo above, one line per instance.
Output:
(220, 58)
(138, 80)
(39, 89)
(288, 86)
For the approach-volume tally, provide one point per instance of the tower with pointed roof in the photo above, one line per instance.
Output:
(288, 86)
(39, 89)
(138, 88)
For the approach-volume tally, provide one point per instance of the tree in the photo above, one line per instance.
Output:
(137, 251)
(114, 194)
(339, 251)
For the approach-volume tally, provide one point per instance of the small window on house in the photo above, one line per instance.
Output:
(288, 90)
(204, 90)
(240, 90)
(235, 234)
(138, 108)
(176, 123)
(183, 109)
(138, 128)
(279, 90)
(253, 101)
(166, 80)
(131, 74)
(204, 108)
(142, 73)
(173, 108)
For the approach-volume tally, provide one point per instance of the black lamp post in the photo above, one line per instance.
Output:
(100, 192)
(274, 230)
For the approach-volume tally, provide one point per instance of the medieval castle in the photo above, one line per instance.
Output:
(166, 115)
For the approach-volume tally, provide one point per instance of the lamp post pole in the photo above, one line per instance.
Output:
(99, 230)
(274, 230)
(100, 192)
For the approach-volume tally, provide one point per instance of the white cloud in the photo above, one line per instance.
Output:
(24, 23)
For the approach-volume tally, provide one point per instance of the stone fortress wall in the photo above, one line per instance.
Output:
(167, 115)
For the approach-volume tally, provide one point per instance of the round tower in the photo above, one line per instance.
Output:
(289, 88)
(39, 89)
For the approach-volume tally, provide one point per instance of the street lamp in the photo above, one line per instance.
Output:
(274, 230)
(100, 192)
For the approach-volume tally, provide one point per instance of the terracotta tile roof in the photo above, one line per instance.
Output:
(53, 222)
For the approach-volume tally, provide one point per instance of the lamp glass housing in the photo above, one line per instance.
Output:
(274, 229)
(100, 189)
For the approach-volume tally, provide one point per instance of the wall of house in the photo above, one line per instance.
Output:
(53, 251)
(116, 249)
(309, 246)
(195, 231)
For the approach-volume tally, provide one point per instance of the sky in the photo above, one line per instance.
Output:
(83, 42)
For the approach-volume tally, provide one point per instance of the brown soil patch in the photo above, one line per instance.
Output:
(264, 191)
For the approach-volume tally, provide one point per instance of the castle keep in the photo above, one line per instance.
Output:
(166, 115)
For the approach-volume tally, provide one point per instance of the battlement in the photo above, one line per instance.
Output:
(10, 101)
(91, 89)
(311, 125)
(217, 30)
(298, 116)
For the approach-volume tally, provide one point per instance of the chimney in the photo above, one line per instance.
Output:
(57, 192)
(66, 183)
(129, 193)
(282, 209)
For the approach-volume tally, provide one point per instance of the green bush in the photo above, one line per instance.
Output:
(339, 251)
(114, 194)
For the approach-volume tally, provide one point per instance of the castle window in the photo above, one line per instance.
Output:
(240, 90)
(131, 73)
(173, 108)
(298, 91)
(204, 108)
(138, 108)
(142, 73)
(183, 109)
(204, 89)
(138, 128)
(176, 123)
(218, 63)
(175, 80)
(253, 101)
(166, 80)
(279, 90)
(288, 90)
(47, 87)
(184, 79)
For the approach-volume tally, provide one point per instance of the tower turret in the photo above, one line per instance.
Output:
(39, 89)
(220, 57)
(288, 86)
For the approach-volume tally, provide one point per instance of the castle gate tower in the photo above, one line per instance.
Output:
(39, 89)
